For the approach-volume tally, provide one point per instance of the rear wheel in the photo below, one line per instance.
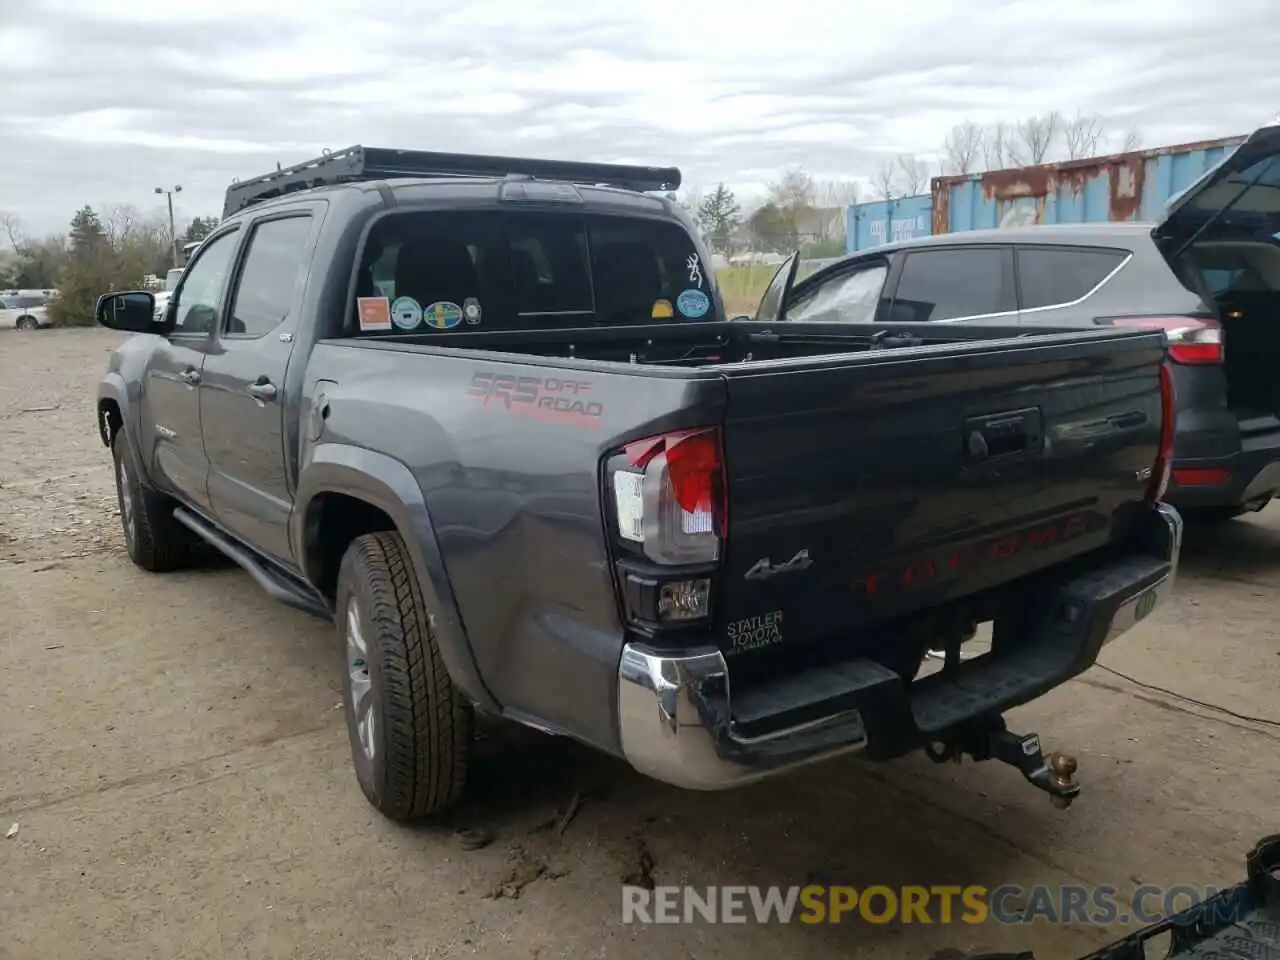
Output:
(28, 323)
(410, 729)
(155, 540)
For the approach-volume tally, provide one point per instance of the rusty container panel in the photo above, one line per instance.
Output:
(878, 221)
(1125, 186)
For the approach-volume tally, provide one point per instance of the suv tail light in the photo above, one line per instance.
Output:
(670, 515)
(1193, 341)
(1164, 454)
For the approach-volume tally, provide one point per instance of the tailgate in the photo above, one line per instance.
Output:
(865, 486)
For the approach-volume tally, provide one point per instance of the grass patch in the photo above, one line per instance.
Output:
(742, 287)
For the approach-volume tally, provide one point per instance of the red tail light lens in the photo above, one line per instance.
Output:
(1164, 454)
(1201, 476)
(669, 496)
(1193, 341)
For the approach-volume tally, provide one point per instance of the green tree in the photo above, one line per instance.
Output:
(719, 215)
(200, 228)
(775, 228)
(88, 238)
(90, 270)
(778, 223)
(39, 262)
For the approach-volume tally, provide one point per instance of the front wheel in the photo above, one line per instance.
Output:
(410, 729)
(155, 540)
(28, 323)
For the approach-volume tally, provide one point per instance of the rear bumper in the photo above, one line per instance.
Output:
(679, 723)
(1249, 473)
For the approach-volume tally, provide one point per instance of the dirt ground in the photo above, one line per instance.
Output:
(171, 752)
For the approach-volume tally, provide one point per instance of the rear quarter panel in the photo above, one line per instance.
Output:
(513, 493)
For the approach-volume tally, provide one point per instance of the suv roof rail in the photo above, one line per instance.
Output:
(359, 164)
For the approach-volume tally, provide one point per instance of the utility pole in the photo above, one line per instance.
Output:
(173, 230)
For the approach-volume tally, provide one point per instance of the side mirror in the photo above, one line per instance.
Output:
(132, 312)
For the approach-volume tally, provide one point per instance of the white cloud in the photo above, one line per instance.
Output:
(106, 98)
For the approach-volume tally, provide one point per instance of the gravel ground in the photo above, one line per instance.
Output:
(180, 777)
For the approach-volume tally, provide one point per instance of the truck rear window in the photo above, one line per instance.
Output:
(456, 270)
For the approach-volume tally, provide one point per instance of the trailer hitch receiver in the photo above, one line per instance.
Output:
(1053, 774)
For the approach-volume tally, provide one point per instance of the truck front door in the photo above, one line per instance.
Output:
(170, 407)
(242, 394)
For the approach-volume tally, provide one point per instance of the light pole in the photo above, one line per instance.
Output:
(173, 232)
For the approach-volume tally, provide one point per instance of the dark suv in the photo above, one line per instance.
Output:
(1208, 275)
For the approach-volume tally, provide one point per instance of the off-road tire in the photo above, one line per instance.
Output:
(155, 540)
(423, 725)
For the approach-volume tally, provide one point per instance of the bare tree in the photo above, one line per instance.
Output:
(964, 146)
(915, 174)
(1035, 137)
(885, 184)
(995, 146)
(835, 193)
(1132, 140)
(690, 198)
(1082, 134)
(120, 221)
(12, 228)
(793, 191)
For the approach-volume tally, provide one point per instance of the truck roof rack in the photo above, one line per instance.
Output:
(359, 164)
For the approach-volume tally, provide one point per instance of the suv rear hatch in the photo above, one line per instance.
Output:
(1221, 236)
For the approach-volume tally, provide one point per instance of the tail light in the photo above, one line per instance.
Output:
(1164, 454)
(1201, 476)
(670, 515)
(1193, 341)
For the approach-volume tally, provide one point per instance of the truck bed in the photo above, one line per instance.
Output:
(697, 345)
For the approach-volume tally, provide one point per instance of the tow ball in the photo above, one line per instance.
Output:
(1053, 774)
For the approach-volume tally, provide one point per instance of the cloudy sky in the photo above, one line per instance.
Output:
(103, 100)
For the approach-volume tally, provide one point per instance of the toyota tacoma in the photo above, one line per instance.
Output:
(487, 416)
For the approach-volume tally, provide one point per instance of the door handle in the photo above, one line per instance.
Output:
(190, 376)
(1013, 433)
(264, 389)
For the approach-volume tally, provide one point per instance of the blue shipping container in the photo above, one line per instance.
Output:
(1125, 186)
(883, 221)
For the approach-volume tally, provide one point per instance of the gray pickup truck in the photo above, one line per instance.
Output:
(487, 416)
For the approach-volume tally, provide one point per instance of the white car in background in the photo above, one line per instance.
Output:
(170, 284)
(25, 309)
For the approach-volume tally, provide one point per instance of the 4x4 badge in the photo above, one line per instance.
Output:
(764, 569)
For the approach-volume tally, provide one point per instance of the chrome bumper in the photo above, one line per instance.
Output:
(675, 708)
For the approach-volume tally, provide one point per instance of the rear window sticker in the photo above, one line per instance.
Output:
(695, 270)
(693, 304)
(442, 315)
(662, 310)
(374, 313)
(406, 313)
(471, 310)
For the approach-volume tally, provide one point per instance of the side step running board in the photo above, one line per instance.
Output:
(277, 584)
